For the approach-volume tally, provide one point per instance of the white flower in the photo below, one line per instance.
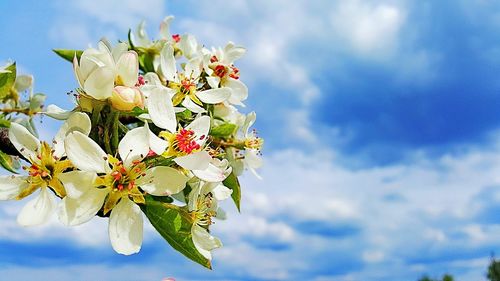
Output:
(203, 205)
(103, 179)
(185, 84)
(44, 171)
(185, 144)
(99, 70)
(250, 158)
(140, 37)
(219, 65)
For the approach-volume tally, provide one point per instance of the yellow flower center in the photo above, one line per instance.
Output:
(204, 213)
(121, 182)
(181, 143)
(43, 171)
(186, 88)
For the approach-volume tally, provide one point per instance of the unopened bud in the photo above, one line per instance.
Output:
(126, 98)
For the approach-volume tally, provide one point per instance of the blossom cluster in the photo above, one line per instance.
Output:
(155, 130)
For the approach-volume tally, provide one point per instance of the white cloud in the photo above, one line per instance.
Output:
(372, 29)
(269, 239)
(122, 13)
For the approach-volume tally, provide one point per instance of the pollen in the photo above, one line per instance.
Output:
(184, 141)
(220, 70)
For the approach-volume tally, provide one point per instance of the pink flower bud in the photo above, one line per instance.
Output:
(126, 98)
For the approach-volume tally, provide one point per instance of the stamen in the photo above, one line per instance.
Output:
(184, 141)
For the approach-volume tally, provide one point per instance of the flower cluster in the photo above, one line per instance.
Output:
(155, 130)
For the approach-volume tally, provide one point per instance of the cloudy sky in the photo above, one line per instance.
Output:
(382, 136)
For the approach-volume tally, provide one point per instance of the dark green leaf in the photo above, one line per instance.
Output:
(146, 63)
(7, 162)
(136, 111)
(232, 183)
(130, 39)
(184, 115)
(68, 54)
(7, 80)
(174, 224)
(223, 130)
(163, 199)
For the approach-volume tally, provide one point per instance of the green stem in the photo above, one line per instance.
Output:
(109, 129)
(122, 127)
(114, 125)
(96, 118)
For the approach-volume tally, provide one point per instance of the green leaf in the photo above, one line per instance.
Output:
(146, 63)
(174, 225)
(7, 162)
(232, 183)
(68, 54)
(130, 39)
(136, 111)
(7, 80)
(223, 130)
(184, 115)
(4, 123)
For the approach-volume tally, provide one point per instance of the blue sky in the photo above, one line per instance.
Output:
(382, 138)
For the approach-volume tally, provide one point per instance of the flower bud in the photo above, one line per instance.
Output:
(126, 98)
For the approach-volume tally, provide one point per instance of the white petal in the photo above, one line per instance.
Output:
(165, 26)
(211, 174)
(77, 182)
(133, 146)
(119, 50)
(213, 82)
(252, 159)
(100, 82)
(162, 180)
(167, 63)
(127, 68)
(156, 144)
(85, 154)
(221, 192)
(56, 112)
(77, 121)
(204, 242)
(78, 73)
(152, 79)
(214, 96)
(11, 186)
(23, 82)
(249, 120)
(38, 210)
(200, 127)
(188, 45)
(194, 161)
(232, 53)
(193, 107)
(193, 68)
(140, 38)
(90, 60)
(239, 91)
(77, 211)
(161, 109)
(27, 144)
(126, 227)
